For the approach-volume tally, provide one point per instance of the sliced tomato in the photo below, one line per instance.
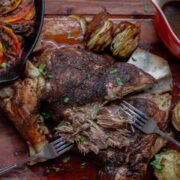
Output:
(6, 6)
(11, 45)
(22, 27)
(20, 13)
(31, 14)
(1, 53)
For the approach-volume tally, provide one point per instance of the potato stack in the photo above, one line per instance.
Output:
(122, 39)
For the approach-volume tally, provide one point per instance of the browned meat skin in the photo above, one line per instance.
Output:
(131, 162)
(124, 151)
(81, 76)
(102, 127)
(84, 77)
(22, 109)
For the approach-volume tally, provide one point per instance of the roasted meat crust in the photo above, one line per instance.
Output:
(131, 162)
(81, 76)
(84, 77)
(21, 107)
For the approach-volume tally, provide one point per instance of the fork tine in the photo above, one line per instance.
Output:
(141, 118)
(136, 121)
(65, 150)
(135, 109)
(127, 112)
(60, 148)
(57, 141)
(137, 118)
(137, 126)
(59, 144)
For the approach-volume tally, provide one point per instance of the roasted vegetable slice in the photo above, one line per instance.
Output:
(176, 117)
(167, 165)
(24, 28)
(99, 32)
(82, 21)
(10, 45)
(1, 53)
(20, 13)
(31, 14)
(6, 6)
(126, 38)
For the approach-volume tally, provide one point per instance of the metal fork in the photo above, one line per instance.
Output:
(49, 151)
(144, 123)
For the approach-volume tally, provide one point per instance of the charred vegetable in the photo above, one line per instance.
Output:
(176, 117)
(10, 47)
(21, 12)
(7, 6)
(126, 38)
(99, 32)
(24, 28)
(82, 21)
(167, 165)
(1, 53)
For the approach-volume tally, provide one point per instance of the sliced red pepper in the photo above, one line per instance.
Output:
(7, 6)
(21, 12)
(1, 53)
(11, 46)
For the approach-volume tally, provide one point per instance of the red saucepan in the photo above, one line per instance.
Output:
(164, 29)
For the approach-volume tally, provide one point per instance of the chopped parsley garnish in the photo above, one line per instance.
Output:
(114, 71)
(165, 103)
(146, 8)
(69, 34)
(4, 65)
(134, 59)
(50, 76)
(119, 81)
(41, 69)
(83, 165)
(53, 168)
(88, 76)
(66, 160)
(83, 138)
(157, 165)
(46, 115)
(66, 100)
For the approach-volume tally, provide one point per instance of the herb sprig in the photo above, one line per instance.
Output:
(156, 163)
(42, 70)
(66, 159)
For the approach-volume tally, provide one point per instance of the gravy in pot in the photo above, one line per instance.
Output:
(172, 13)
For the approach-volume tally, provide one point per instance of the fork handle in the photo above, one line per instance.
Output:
(16, 165)
(167, 137)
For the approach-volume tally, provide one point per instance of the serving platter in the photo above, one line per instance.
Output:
(74, 166)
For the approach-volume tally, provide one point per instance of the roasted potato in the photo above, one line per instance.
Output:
(167, 165)
(126, 38)
(99, 32)
(176, 117)
(82, 21)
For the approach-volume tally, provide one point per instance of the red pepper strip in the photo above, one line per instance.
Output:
(19, 13)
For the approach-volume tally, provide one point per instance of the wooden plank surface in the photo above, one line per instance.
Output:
(137, 11)
(114, 7)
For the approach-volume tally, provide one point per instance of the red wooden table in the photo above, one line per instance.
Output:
(14, 148)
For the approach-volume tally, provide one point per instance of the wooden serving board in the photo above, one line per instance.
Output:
(56, 26)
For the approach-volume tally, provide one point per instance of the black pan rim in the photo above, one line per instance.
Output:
(15, 72)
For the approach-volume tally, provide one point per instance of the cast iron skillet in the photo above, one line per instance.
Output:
(15, 71)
